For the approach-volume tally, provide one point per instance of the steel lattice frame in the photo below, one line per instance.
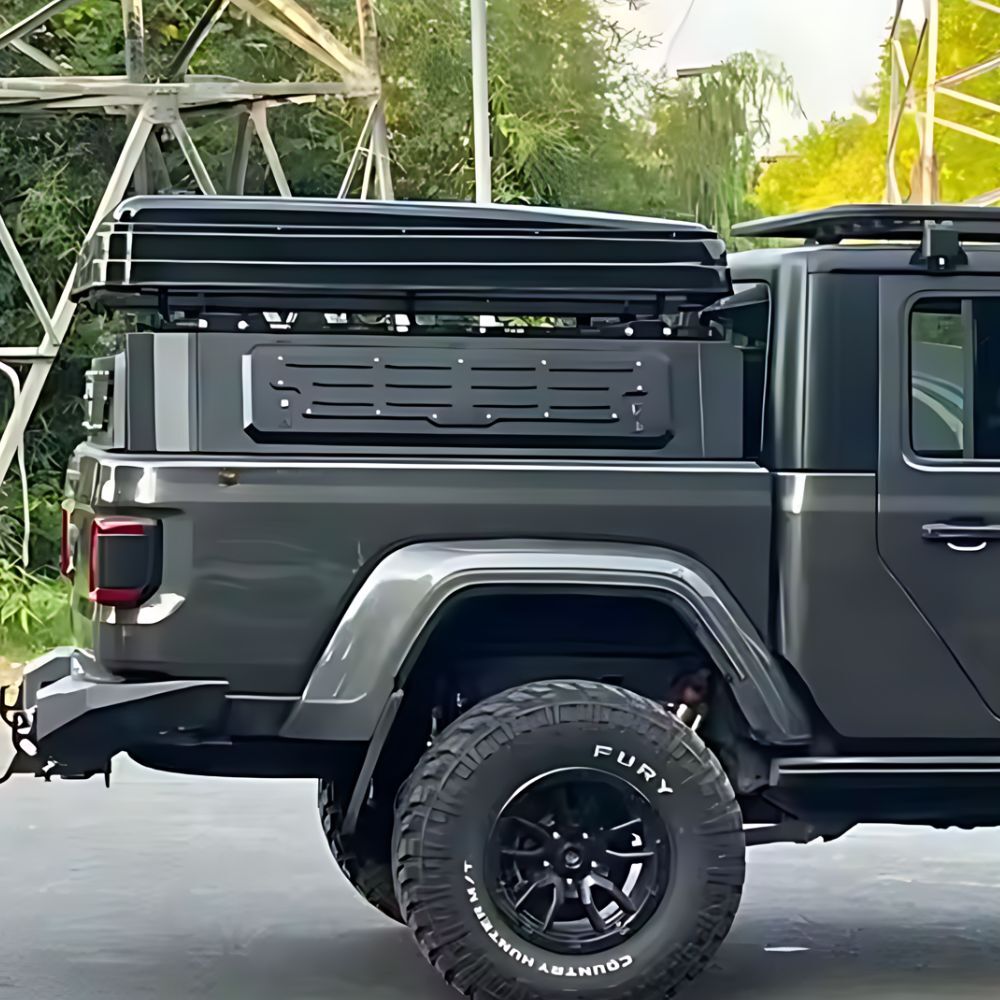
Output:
(924, 105)
(151, 106)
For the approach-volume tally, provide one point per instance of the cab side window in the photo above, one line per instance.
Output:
(955, 378)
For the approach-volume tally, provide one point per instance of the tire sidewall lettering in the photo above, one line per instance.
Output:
(653, 780)
(523, 954)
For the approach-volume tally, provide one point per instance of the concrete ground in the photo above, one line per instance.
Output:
(167, 888)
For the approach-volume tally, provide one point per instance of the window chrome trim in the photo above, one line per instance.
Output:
(953, 464)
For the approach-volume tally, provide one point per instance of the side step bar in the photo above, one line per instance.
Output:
(933, 791)
(792, 770)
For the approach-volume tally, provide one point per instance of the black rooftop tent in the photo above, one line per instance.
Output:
(208, 253)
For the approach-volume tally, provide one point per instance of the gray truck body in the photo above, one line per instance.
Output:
(780, 517)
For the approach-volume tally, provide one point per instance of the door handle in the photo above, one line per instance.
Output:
(966, 534)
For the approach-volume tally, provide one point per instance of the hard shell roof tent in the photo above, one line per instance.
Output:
(199, 255)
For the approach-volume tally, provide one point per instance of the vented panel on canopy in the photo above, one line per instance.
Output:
(330, 393)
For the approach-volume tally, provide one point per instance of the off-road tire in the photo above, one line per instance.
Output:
(447, 808)
(371, 876)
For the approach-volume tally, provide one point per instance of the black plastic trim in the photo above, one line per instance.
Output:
(372, 755)
(139, 390)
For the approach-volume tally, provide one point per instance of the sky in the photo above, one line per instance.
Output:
(831, 47)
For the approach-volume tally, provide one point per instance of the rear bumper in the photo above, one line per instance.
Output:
(75, 716)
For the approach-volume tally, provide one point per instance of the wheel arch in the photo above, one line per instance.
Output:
(398, 607)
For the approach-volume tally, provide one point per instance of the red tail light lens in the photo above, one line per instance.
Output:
(125, 557)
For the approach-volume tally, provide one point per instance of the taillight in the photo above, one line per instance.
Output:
(124, 560)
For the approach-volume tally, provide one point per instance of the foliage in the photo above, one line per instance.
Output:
(843, 159)
(34, 613)
(709, 131)
(574, 123)
(33, 609)
(560, 81)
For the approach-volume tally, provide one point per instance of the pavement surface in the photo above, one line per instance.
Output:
(168, 888)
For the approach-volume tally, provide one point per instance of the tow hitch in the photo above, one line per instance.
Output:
(19, 685)
(68, 717)
(17, 752)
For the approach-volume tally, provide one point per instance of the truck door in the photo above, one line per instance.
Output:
(939, 460)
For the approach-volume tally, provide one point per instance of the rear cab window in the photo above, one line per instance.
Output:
(955, 378)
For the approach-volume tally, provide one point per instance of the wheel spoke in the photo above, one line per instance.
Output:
(527, 853)
(544, 880)
(625, 825)
(629, 855)
(614, 892)
(558, 898)
(590, 907)
(536, 828)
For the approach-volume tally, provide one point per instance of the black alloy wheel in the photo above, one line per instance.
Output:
(578, 859)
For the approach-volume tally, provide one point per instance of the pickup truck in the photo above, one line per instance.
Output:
(570, 554)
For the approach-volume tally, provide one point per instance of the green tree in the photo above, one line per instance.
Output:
(844, 158)
(708, 133)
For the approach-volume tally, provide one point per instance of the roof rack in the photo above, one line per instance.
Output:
(214, 254)
(830, 226)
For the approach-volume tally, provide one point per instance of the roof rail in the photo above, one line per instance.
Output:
(829, 226)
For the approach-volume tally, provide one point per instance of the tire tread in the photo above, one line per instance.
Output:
(371, 877)
(419, 839)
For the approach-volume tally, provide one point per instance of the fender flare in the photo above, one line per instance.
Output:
(392, 613)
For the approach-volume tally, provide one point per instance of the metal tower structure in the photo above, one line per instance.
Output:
(922, 101)
(153, 107)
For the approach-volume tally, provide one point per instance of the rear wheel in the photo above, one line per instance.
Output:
(568, 836)
(365, 866)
